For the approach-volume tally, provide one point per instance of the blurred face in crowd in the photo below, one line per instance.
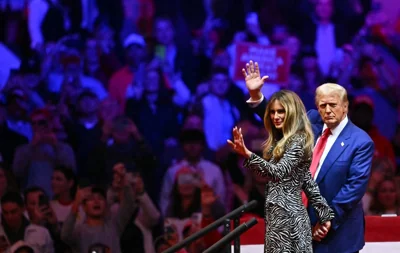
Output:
(88, 105)
(280, 34)
(324, 9)
(120, 132)
(164, 32)
(221, 60)
(73, 69)
(3, 182)
(95, 206)
(186, 184)
(152, 81)
(368, 72)
(219, 84)
(295, 83)
(135, 54)
(12, 214)
(60, 184)
(32, 202)
(309, 63)
(387, 194)
(193, 122)
(109, 109)
(40, 124)
(293, 44)
(193, 149)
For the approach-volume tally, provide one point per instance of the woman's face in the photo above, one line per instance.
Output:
(387, 194)
(277, 114)
(59, 183)
(3, 182)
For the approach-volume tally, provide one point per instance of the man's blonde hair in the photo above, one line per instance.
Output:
(329, 89)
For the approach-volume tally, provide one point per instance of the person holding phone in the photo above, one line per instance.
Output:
(16, 227)
(138, 233)
(98, 228)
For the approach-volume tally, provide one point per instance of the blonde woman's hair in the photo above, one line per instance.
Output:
(329, 89)
(295, 122)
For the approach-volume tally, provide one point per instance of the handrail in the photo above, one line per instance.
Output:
(232, 235)
(252, 204)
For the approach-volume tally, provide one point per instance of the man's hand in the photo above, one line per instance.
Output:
(254, 81)
(320, 231)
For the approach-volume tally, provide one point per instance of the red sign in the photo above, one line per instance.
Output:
(274, 61)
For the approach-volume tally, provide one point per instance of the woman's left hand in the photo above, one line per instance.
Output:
(238, 143)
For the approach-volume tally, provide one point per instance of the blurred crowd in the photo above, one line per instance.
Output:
(114, 114)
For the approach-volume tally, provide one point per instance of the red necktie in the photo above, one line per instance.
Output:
(317, 153)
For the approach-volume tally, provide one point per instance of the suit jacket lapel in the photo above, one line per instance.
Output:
(336, 150)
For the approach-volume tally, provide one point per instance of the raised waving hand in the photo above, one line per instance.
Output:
(254, 81)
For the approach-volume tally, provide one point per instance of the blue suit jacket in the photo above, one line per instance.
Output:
(342, 180)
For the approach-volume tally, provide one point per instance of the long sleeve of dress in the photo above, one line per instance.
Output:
(310, 188)
(291, 158)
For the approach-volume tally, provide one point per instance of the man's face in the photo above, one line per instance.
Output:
(332, 109)
(32, 202)
(40, 124)
(73, 69)
(95, 206)
(89, 105)
(135, 54)
(12, 214)
(219, 84)
(193, 149)
(164, 32)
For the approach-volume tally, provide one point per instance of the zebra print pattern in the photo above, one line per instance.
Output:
(288, 227)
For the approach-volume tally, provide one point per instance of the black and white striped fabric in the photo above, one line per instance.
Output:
(288, 226)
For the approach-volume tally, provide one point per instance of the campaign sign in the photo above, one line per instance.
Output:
(274, 61)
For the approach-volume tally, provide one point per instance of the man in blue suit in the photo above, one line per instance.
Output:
(343, 170)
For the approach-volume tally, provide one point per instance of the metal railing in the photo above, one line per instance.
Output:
(232, 236)
(235, 215)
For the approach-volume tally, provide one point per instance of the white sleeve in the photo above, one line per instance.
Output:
(37, 12)
(254, 103)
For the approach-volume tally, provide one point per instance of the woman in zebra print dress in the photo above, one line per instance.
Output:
(287, 156)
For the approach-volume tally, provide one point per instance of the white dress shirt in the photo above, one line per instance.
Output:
(331, 140)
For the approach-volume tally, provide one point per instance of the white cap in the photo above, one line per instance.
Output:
(134, 39)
